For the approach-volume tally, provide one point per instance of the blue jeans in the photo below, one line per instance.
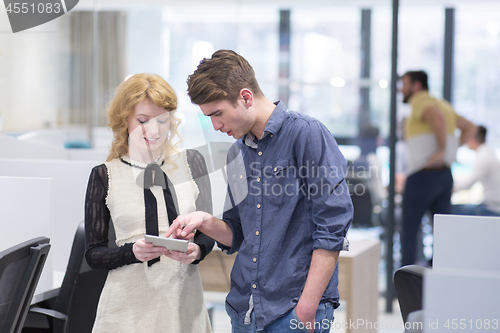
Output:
(480, 210)
(287, 323)
(424, 191)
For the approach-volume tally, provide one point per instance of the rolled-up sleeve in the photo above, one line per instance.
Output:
(328, 193)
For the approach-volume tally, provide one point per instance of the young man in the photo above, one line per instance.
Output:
(430, 149)
(487, 171)
(288, 207)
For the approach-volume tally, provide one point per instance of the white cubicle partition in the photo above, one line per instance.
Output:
(48, 137)
(461, 301)
(68, 192)
(97, 154)
(60, 137)
(466, 242)
(461, 292)
(25, 213)
(10, 147)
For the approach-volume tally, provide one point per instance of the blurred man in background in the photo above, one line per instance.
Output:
(487, 171)
(430, 148)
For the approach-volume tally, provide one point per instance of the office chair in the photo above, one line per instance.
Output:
(408, 283)
(362, 204)
(75, 306)
(359, 182)
(20, 269)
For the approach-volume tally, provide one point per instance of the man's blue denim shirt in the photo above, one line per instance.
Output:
(287, 196)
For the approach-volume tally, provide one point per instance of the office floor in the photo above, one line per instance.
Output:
(387, 322)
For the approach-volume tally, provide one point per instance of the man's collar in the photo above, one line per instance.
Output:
(275, 122)
(273, 125)
(418, 94)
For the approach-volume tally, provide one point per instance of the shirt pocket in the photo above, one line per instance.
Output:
(281, 182)
(238, 183)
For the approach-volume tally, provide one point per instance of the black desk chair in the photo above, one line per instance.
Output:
(362, 203)
(408, 281)
(364, 184)
(20, 269)
(74, 308)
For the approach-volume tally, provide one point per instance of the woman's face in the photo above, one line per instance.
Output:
(148, 129)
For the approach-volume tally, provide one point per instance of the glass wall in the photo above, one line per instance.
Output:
(477, 65)
(48, 73)
(421, 44)
(172, 39)
(325, 65)
(61, 74)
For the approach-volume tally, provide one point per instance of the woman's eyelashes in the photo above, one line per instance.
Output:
(160, 119)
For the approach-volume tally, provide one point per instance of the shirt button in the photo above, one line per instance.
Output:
(258, 179)
(275, 169)
(260, 153)
(257, 233)
(258, 206)
(254, 259)
(272, 135)
(254, 286)
(241, 176)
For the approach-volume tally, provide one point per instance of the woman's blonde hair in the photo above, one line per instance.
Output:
(130, 92)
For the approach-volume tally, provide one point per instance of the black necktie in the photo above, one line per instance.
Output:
(154, 175)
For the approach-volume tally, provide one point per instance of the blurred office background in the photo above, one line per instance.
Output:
(315, 54)
(330, 59)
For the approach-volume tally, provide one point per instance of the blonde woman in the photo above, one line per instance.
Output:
(145, 182)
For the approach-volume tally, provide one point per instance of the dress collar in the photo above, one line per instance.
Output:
(141, 165)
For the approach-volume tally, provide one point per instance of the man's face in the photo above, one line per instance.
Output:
(235, 121)
(472, 143)
(407, 88)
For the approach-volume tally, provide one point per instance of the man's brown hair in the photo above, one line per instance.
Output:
(481, 134)
(221, 77)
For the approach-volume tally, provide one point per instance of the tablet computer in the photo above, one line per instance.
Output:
(180, 245)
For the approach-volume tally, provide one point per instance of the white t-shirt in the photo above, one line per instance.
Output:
(486, 170)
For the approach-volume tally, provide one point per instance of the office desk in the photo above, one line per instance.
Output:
(215, 271)
(358, 283)
(358, 279)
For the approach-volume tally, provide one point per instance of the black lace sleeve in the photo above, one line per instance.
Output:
(97, 219)
(204, 201)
